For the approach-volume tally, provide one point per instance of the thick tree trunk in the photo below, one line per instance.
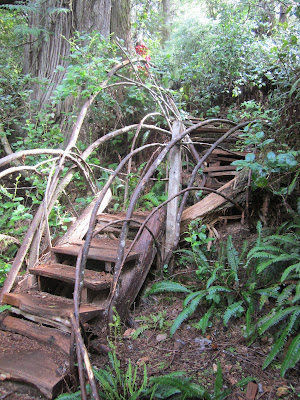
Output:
(120, 22)
(48, 46)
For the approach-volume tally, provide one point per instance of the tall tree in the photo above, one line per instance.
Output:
(53, 22)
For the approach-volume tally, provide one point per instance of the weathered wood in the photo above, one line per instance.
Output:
(80, 227)
(100, 253)
(92, 279)
(42, 334)
(49, 306)
(173, 187)
(133, 279)
(213, 203)
(219, 168)
(39, 365)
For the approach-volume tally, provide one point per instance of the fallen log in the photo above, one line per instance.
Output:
(213, 205)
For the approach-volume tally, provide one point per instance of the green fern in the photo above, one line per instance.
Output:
(278, 317)
(167, 286)
(203, 323)
(234, 310)
(185, 314)
(70, 396)
(233, 258)
(278, 345)
(292, 355)
(295, 268)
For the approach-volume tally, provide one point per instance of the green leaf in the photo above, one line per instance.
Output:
(279, 316)
(186, 313)
(234, 310)
(292, 355)
(167, 286)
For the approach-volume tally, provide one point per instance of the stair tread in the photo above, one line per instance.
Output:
(92, 279)
(48, 306)
(28, 361)
(102, 249)
(43, 334)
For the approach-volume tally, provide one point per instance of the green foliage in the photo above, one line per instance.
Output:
(278, 256)
(221, 283)
(91, 56)
(271, 166)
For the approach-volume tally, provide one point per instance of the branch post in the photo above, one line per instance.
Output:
(173, 187)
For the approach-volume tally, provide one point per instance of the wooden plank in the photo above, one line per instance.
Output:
(225, 173)
(43, 334)
(42, 367)
(100, 254)
(80, 227)
(92, 279)
(173, 187)
(220, 168)
(49, 306)
(133, 279)
(234, 189)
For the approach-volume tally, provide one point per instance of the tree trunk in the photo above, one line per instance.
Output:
(48, 45)
(166, 4)
(120, 22)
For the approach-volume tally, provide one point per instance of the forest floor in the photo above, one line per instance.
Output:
(196, 355)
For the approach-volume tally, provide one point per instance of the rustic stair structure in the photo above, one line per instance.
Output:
(218, 168)
(35, 332)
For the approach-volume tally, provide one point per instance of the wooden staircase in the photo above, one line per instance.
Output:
(35, 332)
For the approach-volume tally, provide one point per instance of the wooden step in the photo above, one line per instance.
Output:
(49, 309)
(103, 219)
(29, 361)
(101, 249)
(92, 279)
(49, 336)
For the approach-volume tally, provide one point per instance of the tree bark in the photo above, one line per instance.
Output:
(120, 22)
(47, 46)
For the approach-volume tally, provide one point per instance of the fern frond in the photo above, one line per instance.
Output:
(232, 257)
(285, 294)
(215, 289)
(70, 396)
(269, 292)
(288, 270)
(184, 386)
(234, 310)
(280, 342)
(203, 323)
(213, 277)
(292, 355)
(186, 313)
(282, 258)
(264, 248)
(249, 325)
(284, 239)
(278, 345)
(219, 380)
(279, 316)
(168, 286)
(191, 296)
(152, 198)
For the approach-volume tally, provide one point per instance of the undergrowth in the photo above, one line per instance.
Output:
(261, 284)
